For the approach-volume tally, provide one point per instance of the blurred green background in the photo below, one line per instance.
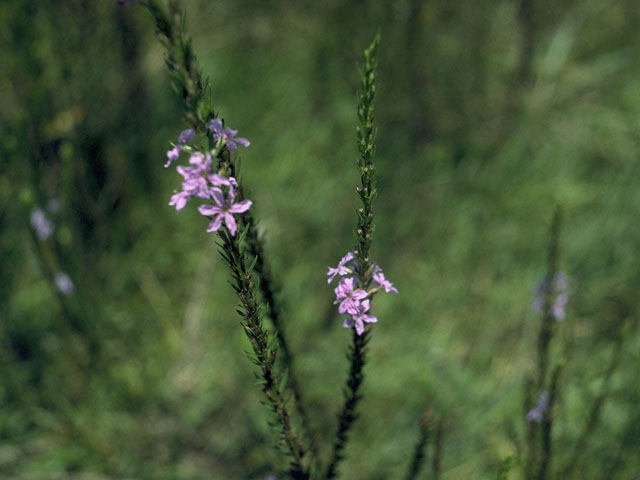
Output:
(489, 112)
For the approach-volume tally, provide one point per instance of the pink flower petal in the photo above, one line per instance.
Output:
(217, 196)
(209, 210)
(179, 200)
(219, 180)
(240, 207)
(215, 225)
(231, 223)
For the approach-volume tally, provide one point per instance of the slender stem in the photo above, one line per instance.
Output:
(348, 414)
(264, 353)
(420, 450)
(436, 463)
(532, 429)
(546, 329)
(268, 289)
(547, 427)
(539, 435)
(364, 228)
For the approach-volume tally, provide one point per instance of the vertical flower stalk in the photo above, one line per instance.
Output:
(218, 183)
(362, 268)
(547, 327)
(264, 350)
(366, 145)
(546, 426)
(199, 114)
(551, 299)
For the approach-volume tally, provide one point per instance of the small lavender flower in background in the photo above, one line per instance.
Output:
(64, 284)
(174, 153)
(559, 288)
(224, 208)
(41, 224)
(536, 414)
(227, 136)
(558, 307)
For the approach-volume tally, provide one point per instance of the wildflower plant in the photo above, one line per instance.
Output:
(211, 177)
(65, 144)
(550, 299)
(204, 157)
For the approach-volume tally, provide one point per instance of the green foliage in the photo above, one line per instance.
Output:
(486, 118)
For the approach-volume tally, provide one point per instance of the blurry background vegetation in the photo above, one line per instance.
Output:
(489, 112)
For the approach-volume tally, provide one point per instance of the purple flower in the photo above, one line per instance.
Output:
(185, 137)
(352, 298)
(341, 269)
(223, 209)
(227, 135)
(559, 289)
(172, 156)
(41, 224)
(195, 180)
(381, 280)
(359, 317)
(536, 414)
(558, 307)
(347, 296)
(63, 283)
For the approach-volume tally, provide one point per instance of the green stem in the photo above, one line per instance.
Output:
(364, 229)
(546, 329)
(348, 415)
(419, 452)
(264, 354)
(436, 463)
(547, 428)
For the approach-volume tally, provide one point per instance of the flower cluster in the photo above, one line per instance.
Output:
(201, 181)
(536, 414)
(353, 298)
(558, 288)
